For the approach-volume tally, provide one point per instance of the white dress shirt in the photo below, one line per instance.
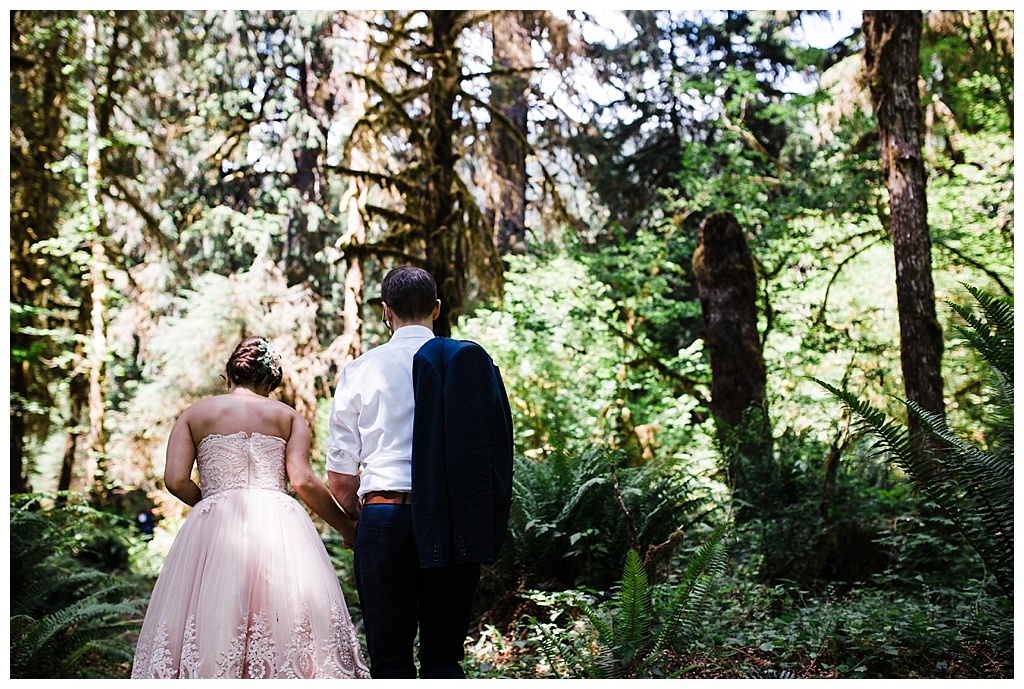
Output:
(372, 415)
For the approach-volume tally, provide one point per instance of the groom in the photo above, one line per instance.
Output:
(421, 453)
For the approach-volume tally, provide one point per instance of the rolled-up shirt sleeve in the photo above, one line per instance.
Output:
(344, 446)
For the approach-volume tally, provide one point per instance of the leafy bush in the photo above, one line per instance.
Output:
(69, 617)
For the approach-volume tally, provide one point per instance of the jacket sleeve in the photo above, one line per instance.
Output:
(478, 454)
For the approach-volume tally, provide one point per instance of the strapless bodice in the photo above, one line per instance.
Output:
(241, 460)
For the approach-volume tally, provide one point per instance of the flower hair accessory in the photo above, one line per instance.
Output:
(269, 357)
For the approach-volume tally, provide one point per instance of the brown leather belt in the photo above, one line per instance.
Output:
(387, 497)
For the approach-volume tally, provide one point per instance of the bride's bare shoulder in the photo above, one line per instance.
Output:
(207, 406)
(212, 401)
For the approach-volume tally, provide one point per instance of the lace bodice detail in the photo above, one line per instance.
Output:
(240, 460)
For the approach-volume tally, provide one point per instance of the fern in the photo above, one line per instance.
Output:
(634, 614)
(567, 526)
(691, 598)
(623, 638)
(69, 619)
(52, 646)
(991, 334)
(972, 485)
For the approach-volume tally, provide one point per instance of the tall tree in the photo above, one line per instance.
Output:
(42, 47)
(701, 116)
(442, 206)
(724, 268)
(684, 79)
(510, 84)
(423, 108)
(892, 66)
(76, 176)
(97, 277)
(348, 344)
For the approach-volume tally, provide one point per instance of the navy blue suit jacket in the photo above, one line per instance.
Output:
(461, 454)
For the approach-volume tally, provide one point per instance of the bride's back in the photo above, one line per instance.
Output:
(229, 414)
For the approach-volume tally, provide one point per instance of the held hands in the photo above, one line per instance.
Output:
(348, 532)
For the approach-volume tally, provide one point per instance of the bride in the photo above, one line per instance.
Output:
(247, 589)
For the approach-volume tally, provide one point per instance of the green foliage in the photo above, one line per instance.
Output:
(630, 636)
(972, 484)
(556, 354)
(192, 340)
(887, 629)
(575, 378)
(969, 199)
(226, 136)
(657, 311)
(567, 525)
(70, 616)
(967, 61)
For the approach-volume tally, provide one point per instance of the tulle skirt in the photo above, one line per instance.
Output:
(247, 590)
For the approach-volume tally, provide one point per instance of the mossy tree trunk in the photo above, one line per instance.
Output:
(513, 59)
(446, 250)
(727, 283)
(97, 128)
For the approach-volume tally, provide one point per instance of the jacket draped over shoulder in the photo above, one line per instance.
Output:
(461, 454)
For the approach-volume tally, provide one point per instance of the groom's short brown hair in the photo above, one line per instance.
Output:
(410, 292)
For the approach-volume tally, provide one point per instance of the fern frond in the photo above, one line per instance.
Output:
(581, 491)
(978, 497)
(893, 436)
(998, 310)
(599, 662)
(691, 597)
(48, 647)
(992, 335)
(972, 486)
(65, 612)
(634, 609)
(605, 635)
(548, 646)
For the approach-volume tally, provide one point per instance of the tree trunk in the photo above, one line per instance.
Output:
(77, 402)
(506, 203)
(724, 269)
(19, 386)
(319, 81)
(38, 191)
(349, 345)
(892, 64)
(97, 352)
(446, 250)
(727, 283)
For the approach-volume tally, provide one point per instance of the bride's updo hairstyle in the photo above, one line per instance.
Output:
(255, 364)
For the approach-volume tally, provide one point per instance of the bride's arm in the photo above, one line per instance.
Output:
(181, 457)
(309, 487)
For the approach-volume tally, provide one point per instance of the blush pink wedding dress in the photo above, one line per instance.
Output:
(247, 589)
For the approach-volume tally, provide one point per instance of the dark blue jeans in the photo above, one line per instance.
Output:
(397, 597)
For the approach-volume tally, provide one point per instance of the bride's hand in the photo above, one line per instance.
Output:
(348, 533)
